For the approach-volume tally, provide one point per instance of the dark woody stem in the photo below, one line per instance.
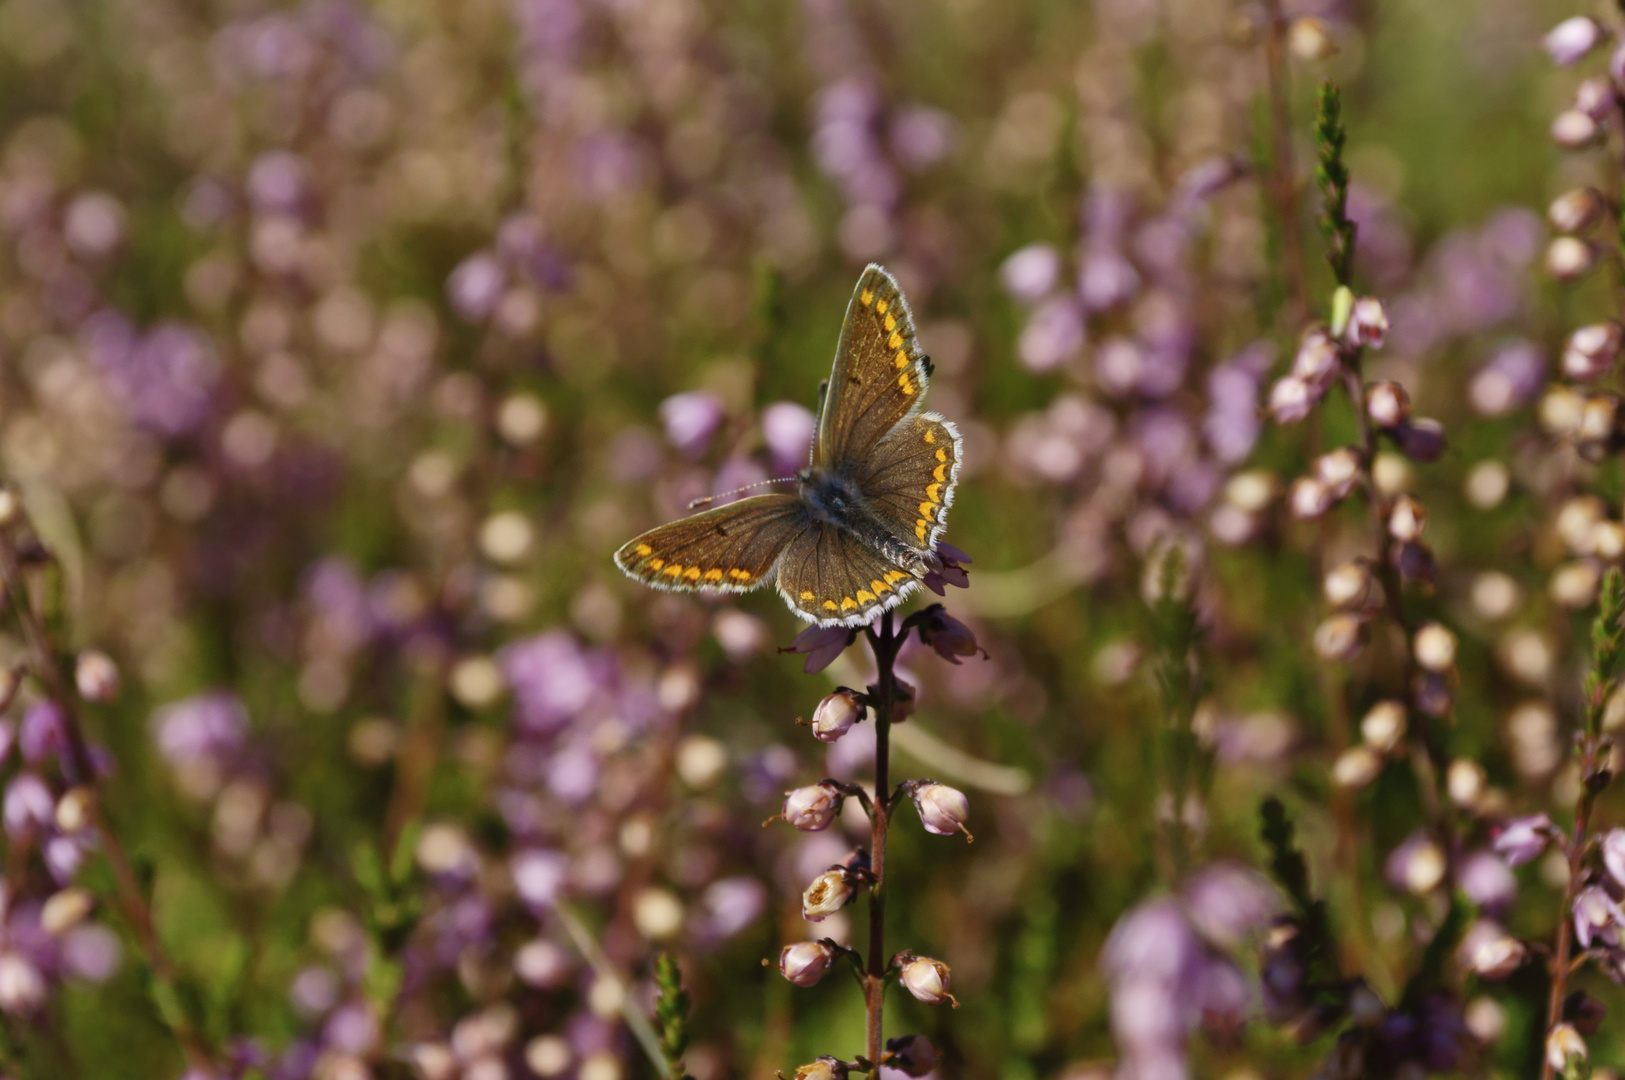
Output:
(131, 901)
(882, 699)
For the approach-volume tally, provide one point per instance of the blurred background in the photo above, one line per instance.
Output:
(341, 344)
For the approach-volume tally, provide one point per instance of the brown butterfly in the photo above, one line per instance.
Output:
(860, 533)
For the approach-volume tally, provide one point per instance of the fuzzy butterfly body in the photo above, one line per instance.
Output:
(860, 532)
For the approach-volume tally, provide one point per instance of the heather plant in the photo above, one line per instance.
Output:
(341, 344)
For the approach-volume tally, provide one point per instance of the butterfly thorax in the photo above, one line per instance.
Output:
(836, 499)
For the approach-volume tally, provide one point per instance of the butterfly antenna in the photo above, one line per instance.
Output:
(697, 503)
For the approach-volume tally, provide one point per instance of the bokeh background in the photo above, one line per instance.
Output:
(341, 343)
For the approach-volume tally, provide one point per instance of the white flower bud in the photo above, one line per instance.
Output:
(1597, 418)
(1384, 726)
(1568, 258)
(96, 676)
(943, 809)
(1252, 490)
(1574, 584)
(805, 962)
(1574, 130)
(1340, 637)
(1356, 767)
(1561, 408)
(812, 808)
(1408, 520)
(1465, 780)
(73, 809)
(1608, 540)
(1351, 585)
(1499, 957)
(1309, 38)
(1570, 40)
(1368, 322)
(927, 980)
(1435, 648)
(1309, 498)
(1291, 399)
(1576, 518)
(1338, 470)
(835, 716)
(1591, 350)
(1387, 404)
(1574, 211)
(1564, 1046)
(65, 909)
(828, 893)
(11, 507)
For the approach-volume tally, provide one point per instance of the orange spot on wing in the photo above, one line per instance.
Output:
(713, 575)
(848, 602)
(931, 492)
(867, 297)
(879, 586)
(930, 436)
(891, 324)
(895, 341)
(675, 570)
(865, 596)
(895, 575)
(903, 381)
(882, 306)
(806, 594)
(692, 573)
(927, 511)
(938, 473)
(919, 531)
(739, 575)
(656, 564)
(901, 360)
(942, 455)
(644, 549)
(830, 605)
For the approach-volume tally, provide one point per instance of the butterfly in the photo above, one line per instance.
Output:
(860, 533)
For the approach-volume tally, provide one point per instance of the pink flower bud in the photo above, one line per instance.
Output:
(1435, 648)
(1591, 350)
(1594, 96)
(942, 809)
(1338, 470)
(911, 1055)
(1309, 498)
(805, 962)
(1523, 838)
(1387, 403)
(828, 893)
(1573, 211)
(812, 808)
(1570, 40)
(1368, 322)
(96, 676)
(1351, 585)
(927, 980)
(1574, 130)
(1340, 637)
(1316, 362)
(22, 987)
(835, 716)
(1291, 399)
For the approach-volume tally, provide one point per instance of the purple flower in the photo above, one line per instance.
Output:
(1031, 272)
(821, 644)
(787, 428)
(1054, 334)
(732, 904)
(208, 726)
(277, 181)
(28, 805)
(1596, 915)
(43, 732)
(552, 677)
(165, 379)
(539, 875)
(950, 569)
(1487, 881)
(1105, 278)
(476, 285)
(1570, 40)
(1613, 853)
(691, 419)
(1521, 839)
(1227, 902)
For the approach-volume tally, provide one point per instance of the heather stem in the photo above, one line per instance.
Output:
(885, 645)
(131, 900)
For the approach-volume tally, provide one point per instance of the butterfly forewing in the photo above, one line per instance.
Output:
(908, 480)
(830, 576)
(879, 377)
(730, 549)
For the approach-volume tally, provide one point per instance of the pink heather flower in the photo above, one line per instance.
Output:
(1592, 350)
(1053, 335)
(476, 285)
(1521, 839)
(1368, 322)
(22, 987)
(821, 645)
(1421, 439)
(1291, 399)
(1564, 1046)
(1570, 40)
(835, 715)
(691, 419)
(805, 962)
(812, 808)
(787, 428)
(1499, 957)
(942, 809)
(1596, 915)
(96, 676)
(1031, 272)
(927, 980)
(1387, 404)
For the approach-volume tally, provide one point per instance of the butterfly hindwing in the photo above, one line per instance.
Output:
(831, 577)
(732, 548)
(879, 376)
(909, 479)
